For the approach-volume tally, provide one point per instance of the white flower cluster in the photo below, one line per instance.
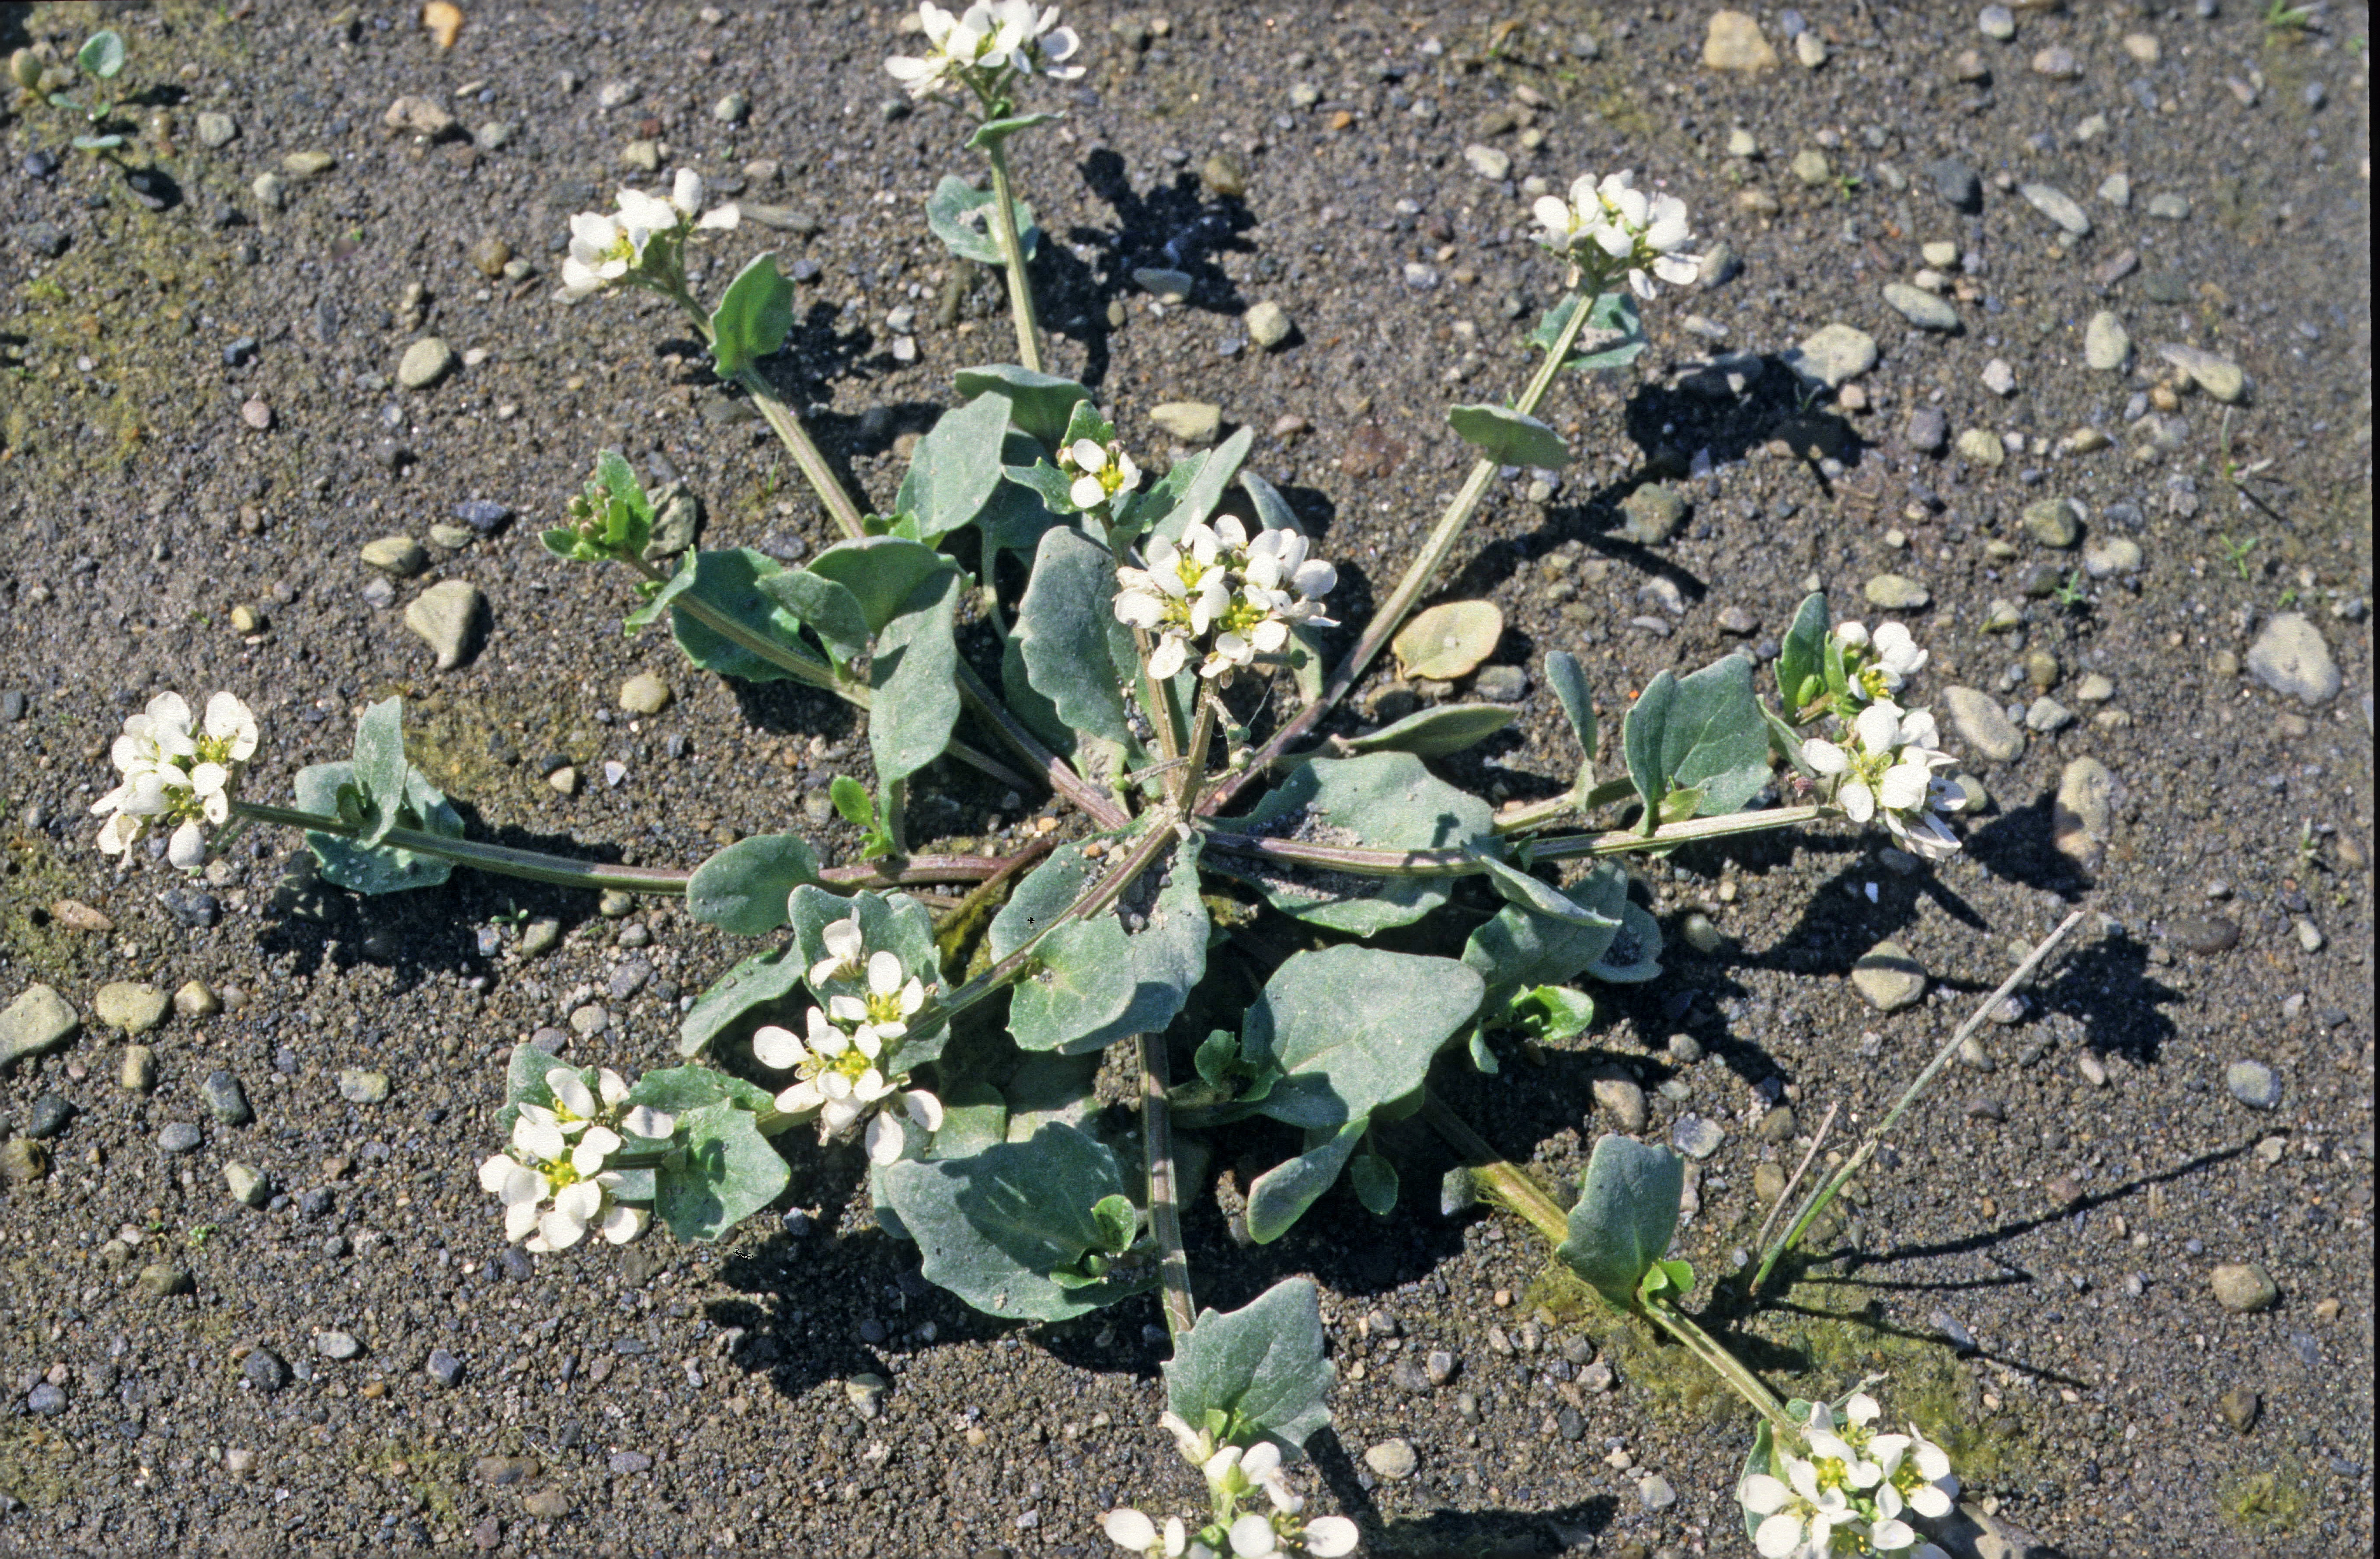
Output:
(1615, 225)
(1878, 664)
(1851, 1493)
(1099, 471)
(989, 40)
(555, 1182)
(1233, 1475)
(610, 247)
(846, 1065)
(1216, 591)
(176, 773)
(1892, 764)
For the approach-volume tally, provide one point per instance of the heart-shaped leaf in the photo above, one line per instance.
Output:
(1353, 1028)
(743, 889)
(761, 981)
(1068, 632)
(1509, 438)
(1381, 801)
(726, 1172)
(377, 868)
(1626, 1213)
(959, 216)
(1701, 733)
(1259, 1372)
(754, 317)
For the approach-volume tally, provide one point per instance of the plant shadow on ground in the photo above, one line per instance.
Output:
(424, 934)
(1175, 227)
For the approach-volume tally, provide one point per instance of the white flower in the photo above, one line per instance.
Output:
(1100, 472)
(847, 953)
(991, 38)
(554, 1190)
(175, 773)
(1892, 766)
(1215, 581)
(1331, 1537)
(1879, 666)
(1800, 1516)
(845, 1073)
(1131, 1530)
(609, 249)
(1915, 1469)
(1635, 232)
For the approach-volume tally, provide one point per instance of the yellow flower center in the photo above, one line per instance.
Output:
(885, 1009)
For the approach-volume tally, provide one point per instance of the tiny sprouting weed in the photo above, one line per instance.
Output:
(2236, 553)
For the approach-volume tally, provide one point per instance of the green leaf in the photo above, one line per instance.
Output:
(975, 1116)
(628, 513)
(914, 671)
(1015, 516)
(753, 318)
(1699, 733)
(852, 800)
(729, 583)
(1068, 632)
(1627, 1212)
(381, 769)
(1612, 337)
(1518, 948)
(102, 54)
(956, 468)
(1802, 657)
(1374, 1180)
(960, 216)
(680, 579)
(1051, 488)
(1507, 438)
(1194, 500)
(743, 887)
(1037, 902)
(726, 1172)
(98, 143)
(1381, 801)
(1434, 734)
(1568, 680)
(888, 923)
(1273, 512)
(884, 574)
(1117, 1221)
(1518, 886)
(762, 980)
(823, 606)
(1448, 640)
(1763, 1459)
(1280, 1196)
(1633, 955)
(991, 132)
(1096, 985)
(679, 1091)
(1259, 1371)
(1675, 1278)
(1354, 1028)
(380, 868)
(1550, 1013)
(994, 1228)
(1040, 404)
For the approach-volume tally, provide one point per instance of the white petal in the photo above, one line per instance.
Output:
(845, 1010)
(560, 1230)
(1762, 1494)
(1886, 1536)
(539, 1140)
(1330, 1537)
(1554, 213)
(1777, 1537)
(648, 1122)
(924, 1108)
(1165, 661)
(885, 973)
(1825, 757)
(169, 715)
(496, 1171)
(1087, 493)
(622, 1224)
(1929, 1502)
(228, 720)
(837, 1114)
(1130, 1529)
(612, 1085)
(1252, 1538)
(1857, 800)
(520, 1221)
(1879, 729)
(570, 1091)
(1904, 787)
(886, 1141)
(685, 193)
(1261, 1461)
(721, 219)
(802, 1098)
(187, 849)
(777, 1048)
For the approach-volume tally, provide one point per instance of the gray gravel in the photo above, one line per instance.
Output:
(160, 538)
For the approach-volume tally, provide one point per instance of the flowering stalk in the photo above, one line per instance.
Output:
(1011, 252)
(1467, 863)
(1164, 1186)
(1233, 1476)
(1826, 1190)
(1392, 612)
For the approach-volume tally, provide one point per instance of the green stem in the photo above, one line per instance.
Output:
(1011, 252)
(1468, 862)
(1193, 757)
(1826, 1190)
(805, 453)
(1164, 1190)
(1408, 593)
(1511, 1187)
(1519, 819)
(536, 866)
(1060, 775)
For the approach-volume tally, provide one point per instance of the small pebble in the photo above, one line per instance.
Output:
(1391, 1460)
(2253, 1083)
(179, 1136)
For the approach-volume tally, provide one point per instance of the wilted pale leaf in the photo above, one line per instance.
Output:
(1448, 640)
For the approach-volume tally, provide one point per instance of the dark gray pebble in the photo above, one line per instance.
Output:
(49, 1115)
(226, 1098)
(179, 1137)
